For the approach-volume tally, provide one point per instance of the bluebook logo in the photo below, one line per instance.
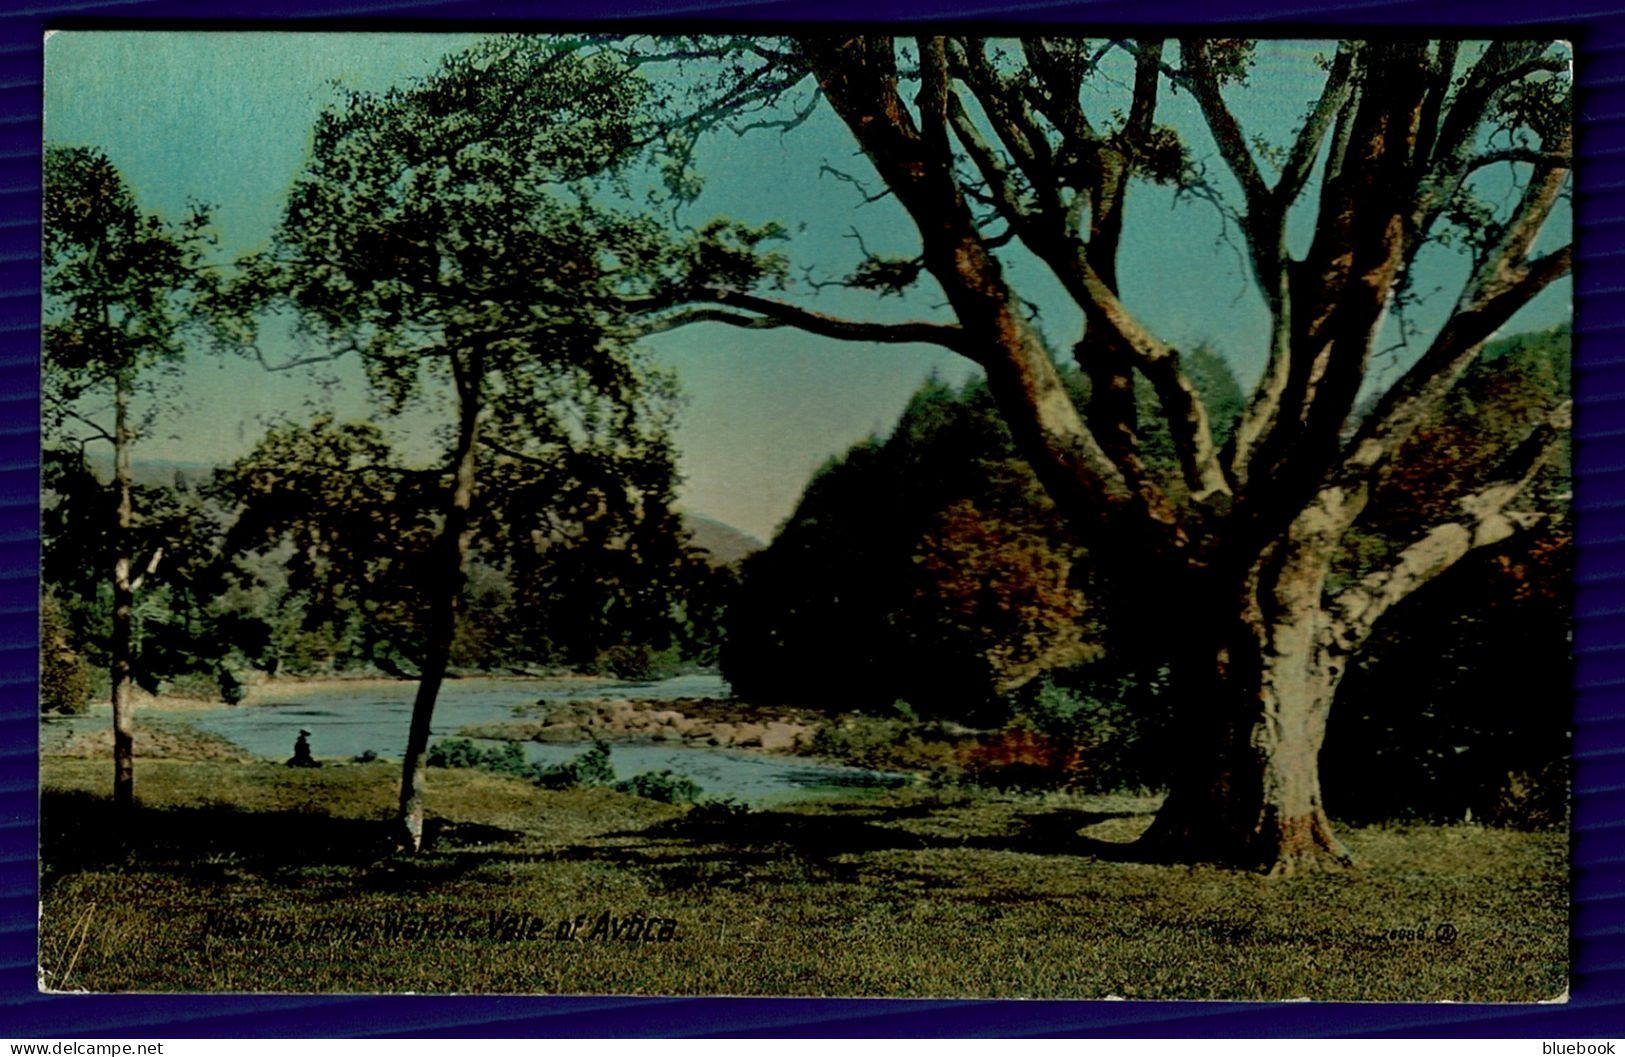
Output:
(1576, 1047)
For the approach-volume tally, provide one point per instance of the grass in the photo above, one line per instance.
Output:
(257, 877)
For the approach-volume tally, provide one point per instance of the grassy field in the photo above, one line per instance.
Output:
(257, 877)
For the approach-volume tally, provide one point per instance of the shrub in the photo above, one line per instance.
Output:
(1020, 757)
(65, 684)
(460, 752)
(232, 690)
(1534, 800)
(664, 786)
(726, 809)
(590, 768)
(862, 740)
(1101, 737)
(637, 663)
(881, 744)
(192, 686)
(455, 752)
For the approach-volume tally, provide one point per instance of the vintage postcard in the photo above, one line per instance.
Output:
(955, 516)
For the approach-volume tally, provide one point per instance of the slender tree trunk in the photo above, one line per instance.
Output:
(123, 607)
(444, 587)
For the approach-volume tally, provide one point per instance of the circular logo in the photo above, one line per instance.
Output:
(1445, 934)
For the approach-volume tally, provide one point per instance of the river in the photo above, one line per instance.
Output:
(347, 720)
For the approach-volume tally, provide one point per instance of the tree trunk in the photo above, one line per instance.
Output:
(1256, 691)
(444, 585)
(122, 646)
(1249, 792)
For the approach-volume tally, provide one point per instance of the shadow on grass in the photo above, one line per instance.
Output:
(82, 831)
(818, 840)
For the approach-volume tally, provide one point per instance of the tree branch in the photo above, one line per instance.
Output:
(516, 454)
(771, 313)
(1452, 157)
(932, 101)
(1334, 95)
(152, 567)
(1011, 120)
(1001, 182)
(1485, 520)
(1227, 133)
(1504, 283)
(1147, 73)
(1182, 404)
(100, 431)
(1516, 154)
(1503, 62)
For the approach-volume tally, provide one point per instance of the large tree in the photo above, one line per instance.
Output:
(990, 146)
(468, 236)
(119, 285)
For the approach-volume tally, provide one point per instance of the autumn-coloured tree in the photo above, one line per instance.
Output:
(999, 599)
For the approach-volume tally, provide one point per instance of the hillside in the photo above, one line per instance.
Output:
(726, 544)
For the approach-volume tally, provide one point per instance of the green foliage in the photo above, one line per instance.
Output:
(189, 620)
(64, 673)
(1111, 730)
(931, 566)
(118, 287)
(889, 743)
(664, 786)
(714, 811)
(1452, 709)
(460, 752)
(862, 598)
(590, 768)
(351, 526)
(474, 233)
(1232, 58)
(886, 275)
(863, 741)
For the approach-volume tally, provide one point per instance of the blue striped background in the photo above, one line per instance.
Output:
(1597, 1006)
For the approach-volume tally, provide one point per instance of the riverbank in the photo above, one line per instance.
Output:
(721, 723)
(368, 717)
(159, 734)
(703, 748)
(256, 877)
(554, 709)
(275, 691)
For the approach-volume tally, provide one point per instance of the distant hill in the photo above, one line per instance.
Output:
(727, 545)
(149, 471)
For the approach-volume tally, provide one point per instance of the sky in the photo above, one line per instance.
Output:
(225, 118)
